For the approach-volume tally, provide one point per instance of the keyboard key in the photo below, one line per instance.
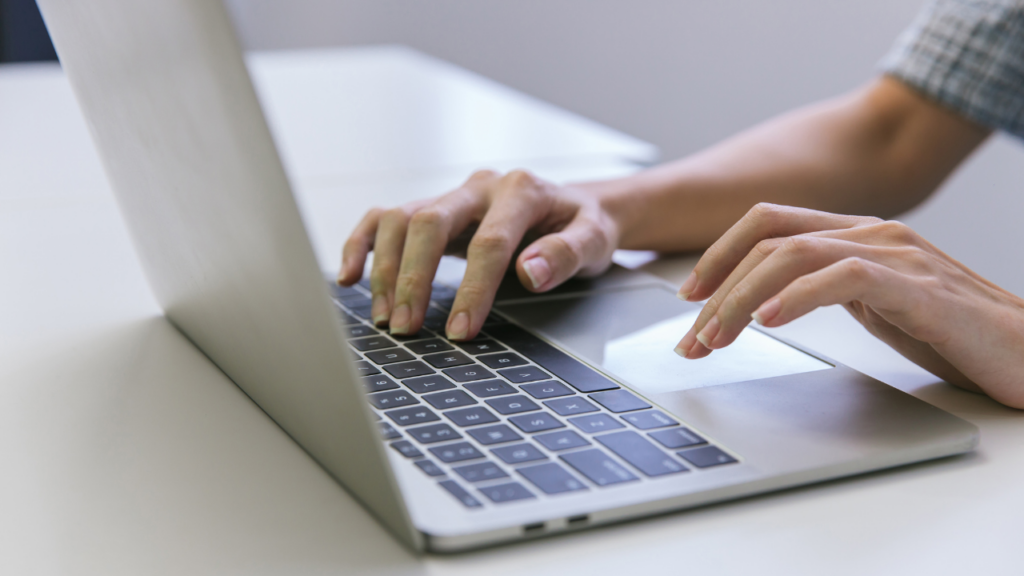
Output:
(407, 449)
(435, 319)
(460, 494)
(480, 472)
(365, 283)
(551, 478)
(341, 292)
(468, 373)
(598, 467)
(537, 422)
(424, 384)
(449, 399)
(494, 434)
(576, 373)
(378, 383)
(561, 440)
(429, 468)
(347, 319)
(570, 406)
(493, 319)
(411, 416)
(408, 369)
(518, 453)
(640, 453)
(364, 368)
(677, 438)
(388, 431)
(360, 330)
(512, 404)
(433, 433)
(428, 346)
(361, 311)
(706, 457)
(595, 423)
(480, 346)
(372, 343)
(489, 388)
(471, 416)
(550, 389)
(356, 301)
(504, 360)
(507, 492)
(447, 359)
(389, 356)
(619, 401)
(456, 452)
(524, 374)
(392, 399)
(649, 420)
(420, 334)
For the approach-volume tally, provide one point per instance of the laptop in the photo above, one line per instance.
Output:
(569, 411)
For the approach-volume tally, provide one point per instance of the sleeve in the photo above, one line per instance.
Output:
(969, 56)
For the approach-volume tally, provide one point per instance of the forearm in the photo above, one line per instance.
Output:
(878, 151)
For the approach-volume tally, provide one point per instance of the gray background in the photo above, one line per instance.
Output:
(680, 74)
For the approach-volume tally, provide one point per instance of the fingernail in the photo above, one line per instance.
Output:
(400, 319)
(379, 310)
(709, 332)
(687, 288)
(459, 327)
(538, 270)
(679, 350)
(768, 311)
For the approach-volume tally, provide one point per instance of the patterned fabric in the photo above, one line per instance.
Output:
(969, 56)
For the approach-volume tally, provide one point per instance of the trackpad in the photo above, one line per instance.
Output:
(630, 335)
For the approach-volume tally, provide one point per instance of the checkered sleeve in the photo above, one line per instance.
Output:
(969, 56)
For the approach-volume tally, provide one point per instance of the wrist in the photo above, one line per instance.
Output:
(618, 200)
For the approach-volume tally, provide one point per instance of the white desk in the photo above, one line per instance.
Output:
(124, 451)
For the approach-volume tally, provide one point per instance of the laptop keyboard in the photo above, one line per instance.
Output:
(508, 417)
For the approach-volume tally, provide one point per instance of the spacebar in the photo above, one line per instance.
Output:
(576, 373)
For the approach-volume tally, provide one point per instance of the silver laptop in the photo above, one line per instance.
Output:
(569, 411)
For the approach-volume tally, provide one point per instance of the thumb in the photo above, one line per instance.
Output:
(584, 246)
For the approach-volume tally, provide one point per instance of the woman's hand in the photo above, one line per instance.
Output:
(486, 219)
(779, 263)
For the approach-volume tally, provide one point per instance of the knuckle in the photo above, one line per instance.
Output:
(766, 247)
(857, 269)
(521, 178)
(395, 215)
(764, 211)
(799, 247)
(408, 281)
(431, 217)
(571, 252)
(897, 231)
(490, 242)
(471, 291)
(481, 176)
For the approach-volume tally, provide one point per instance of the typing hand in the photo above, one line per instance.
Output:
(779, 263)
(486, 219)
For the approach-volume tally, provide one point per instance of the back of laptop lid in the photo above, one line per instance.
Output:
(186, 148)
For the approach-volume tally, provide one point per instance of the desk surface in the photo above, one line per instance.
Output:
(123, 450)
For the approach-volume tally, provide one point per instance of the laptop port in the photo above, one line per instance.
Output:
(533, 528)
(577, 521)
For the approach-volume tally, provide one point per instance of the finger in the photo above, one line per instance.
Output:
(518, 203)
(387, 257)
(585, 246)
(429, 232)
(850, 279)
(761, 222)
(358, 245)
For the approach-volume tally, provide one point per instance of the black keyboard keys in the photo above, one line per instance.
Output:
(677, 438)
(536, 422)
(519, 453)
(392, 399)
(512, 404)
(429, 468)
(480, 346)
(460, 494)
(407, 449)
(456, 452)
(570, 406)
(378, 383)
(474, 416)
(389, 355)
(408, 369)
(447, 359)
(706, 457)
(425, 384)
(503, 360)
(364, 368)
(433, 433)
(411, 416)
(594, 423)
(360, 330)
(496, 434)
(429, 346)
(449, 399)
(577, 374)
(552, 389)
(524, 374)
(490, 388)
(649, 420)
(619, 401)
(598, 467)
(506, 492)
(561, 440)
(469, 373)
(387, 431)
(372, 343)
(551, 478)
(480, 472)
(640, 453)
